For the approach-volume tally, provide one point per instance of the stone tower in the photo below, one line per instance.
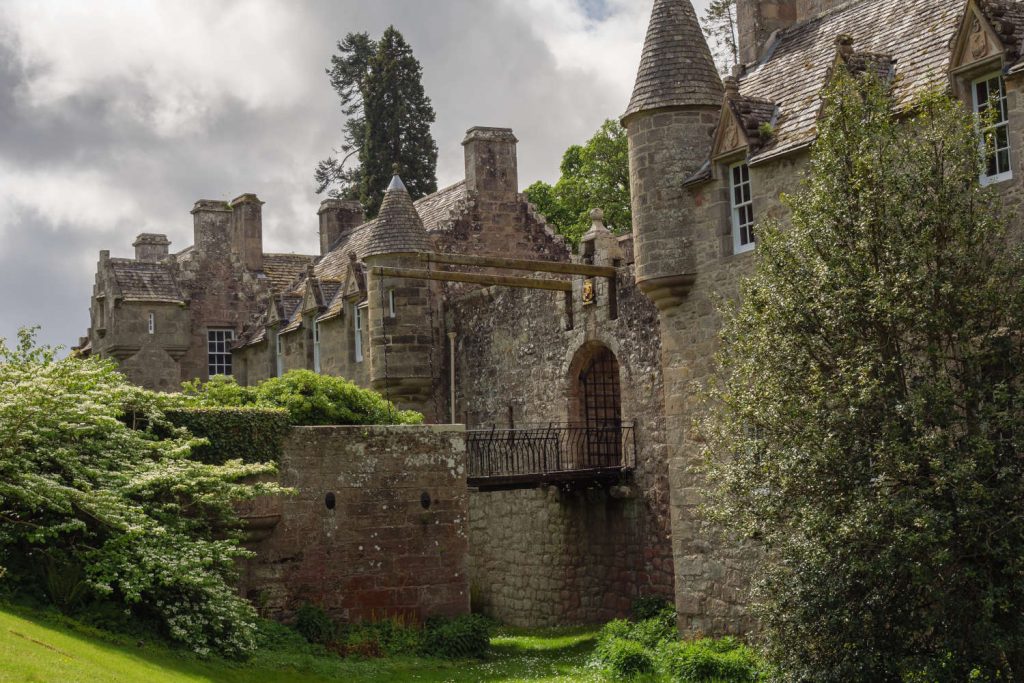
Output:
(399, 309)
(670, 121)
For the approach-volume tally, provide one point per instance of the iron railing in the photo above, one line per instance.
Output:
(550, 449)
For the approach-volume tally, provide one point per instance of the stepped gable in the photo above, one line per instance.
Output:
(913, 34)
(676, 67)
(145, 281)
(398, 229)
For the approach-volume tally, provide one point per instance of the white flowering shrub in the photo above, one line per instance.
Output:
(98, 503)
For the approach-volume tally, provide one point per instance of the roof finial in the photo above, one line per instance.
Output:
(396, 180)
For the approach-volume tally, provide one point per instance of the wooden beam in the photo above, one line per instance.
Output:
(520, 264)
(475, 278)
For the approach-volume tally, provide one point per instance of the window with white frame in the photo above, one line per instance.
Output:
(357, 332)
(152, 323)
(990, 92)
(218, 351)
(279, 353)
(742, 203)
(316, 346)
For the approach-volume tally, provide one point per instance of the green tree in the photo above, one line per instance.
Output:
(379, 84)
(98, 510)
(867, 420)
(719, 24)
(594, 175)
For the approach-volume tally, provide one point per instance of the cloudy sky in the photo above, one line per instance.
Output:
(116, 115)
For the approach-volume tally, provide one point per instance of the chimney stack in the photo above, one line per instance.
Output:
(211, 224)
(247, 230)
(757, 20)
(151, 247)
(338, 216)
(491, 164)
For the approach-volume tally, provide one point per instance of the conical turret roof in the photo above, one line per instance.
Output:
(397, 228)
(676, 69)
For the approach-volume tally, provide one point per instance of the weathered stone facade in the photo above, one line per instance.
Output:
(564, 554)
(377, 527)
(708, 159)
(683, 154)
(154, 313)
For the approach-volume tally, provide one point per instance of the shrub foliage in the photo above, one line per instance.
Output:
(310, 399)
(867, 424)
(242, 433)
(93, 510)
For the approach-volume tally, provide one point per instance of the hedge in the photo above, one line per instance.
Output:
(252, 435)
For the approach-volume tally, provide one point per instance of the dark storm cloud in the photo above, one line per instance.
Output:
(116, 115)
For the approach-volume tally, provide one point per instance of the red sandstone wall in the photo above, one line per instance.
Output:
(379, 552)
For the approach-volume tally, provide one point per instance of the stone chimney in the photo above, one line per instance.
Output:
(247, 230)
(757, 20)
(211, 224)
(491, 164)
(805, 9)
(151, 247)
(336, 217)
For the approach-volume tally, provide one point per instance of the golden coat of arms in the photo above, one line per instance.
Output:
(588, 291)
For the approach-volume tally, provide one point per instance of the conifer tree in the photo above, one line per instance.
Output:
(719, 24)
(389, 117)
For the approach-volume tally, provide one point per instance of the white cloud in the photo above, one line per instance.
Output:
(605, 48)
(82, 199)
(171, 65)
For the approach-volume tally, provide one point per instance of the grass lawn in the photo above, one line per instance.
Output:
(33, 648)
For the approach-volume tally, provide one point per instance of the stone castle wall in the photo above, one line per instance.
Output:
(377, 526)
(553, 555)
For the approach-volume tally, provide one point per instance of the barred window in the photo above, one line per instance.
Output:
(990, 92)
(219, 351)
(152, 323)
(742, 202)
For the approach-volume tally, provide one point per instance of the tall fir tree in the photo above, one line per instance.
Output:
(719, 24)
(379, 84)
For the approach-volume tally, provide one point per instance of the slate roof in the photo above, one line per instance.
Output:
(436, 210)
(284, 269)
(676, 67)
(752, 113)
(145, 281)
(398, 228)
(915, 34)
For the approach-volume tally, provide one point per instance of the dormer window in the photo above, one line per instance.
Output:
(988, 92)
(742, 202)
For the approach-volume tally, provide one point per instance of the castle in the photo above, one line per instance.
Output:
(577, 375)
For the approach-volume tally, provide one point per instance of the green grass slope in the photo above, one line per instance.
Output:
(34, 649)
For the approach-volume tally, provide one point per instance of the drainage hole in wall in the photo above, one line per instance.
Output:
(425, 500)
(329, 500)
